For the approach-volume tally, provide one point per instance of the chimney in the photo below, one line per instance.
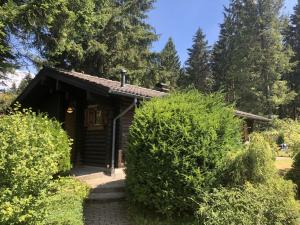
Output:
(123, 77)
(162, 87)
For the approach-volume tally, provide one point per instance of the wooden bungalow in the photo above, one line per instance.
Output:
(95, 112)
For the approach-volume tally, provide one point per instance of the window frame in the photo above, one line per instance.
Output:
(90, 117)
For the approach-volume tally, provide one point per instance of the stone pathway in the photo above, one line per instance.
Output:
(105, 204)
(111, 213)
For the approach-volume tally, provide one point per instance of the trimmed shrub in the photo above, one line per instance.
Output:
(294, 173)
(177, 147)
(33, 148)
(60, 203)
(265, 204)
(64, 204)
(19, 208)
(254, 164)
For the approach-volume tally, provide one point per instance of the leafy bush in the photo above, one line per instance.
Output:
(294, 173)
(60, 203)
(16, 208)
(33, 149)
(177, 146)
(254, 164)
(287, 130)
(64, 204)
(5, 100)
(265, 204)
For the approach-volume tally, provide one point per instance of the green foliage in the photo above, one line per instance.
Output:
(140, 216)
(250, 58)
(5, 100)
(60, 203)
(288, 130)
(255, 164)
(17, 207)
(177, 146)
(294, 173)
(23, 84)
(292, 36)
(263, 204)
(95, 36)
(170, 66)
(33, 149)
(7, 58)
(64, 203)
(198, 71)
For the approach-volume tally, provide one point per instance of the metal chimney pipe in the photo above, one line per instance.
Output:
(123, 77)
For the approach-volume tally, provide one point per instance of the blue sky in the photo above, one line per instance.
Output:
(180, 19)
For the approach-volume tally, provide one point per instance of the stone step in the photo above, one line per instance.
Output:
(106, 197)
(108, 189)
(92, 176)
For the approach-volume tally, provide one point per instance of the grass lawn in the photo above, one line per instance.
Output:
(283, 163)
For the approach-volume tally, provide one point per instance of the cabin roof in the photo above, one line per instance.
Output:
(107, 86)
(113, 87)
(251, 116)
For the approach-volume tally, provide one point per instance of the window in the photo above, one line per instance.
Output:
(94, 117)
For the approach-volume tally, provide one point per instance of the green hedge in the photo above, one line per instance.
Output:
(294, 173)
(177, 147)
(33, 148)
(254, 163)
(64, 203)
(264, 204)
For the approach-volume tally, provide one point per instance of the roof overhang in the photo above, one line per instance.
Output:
(252, 116)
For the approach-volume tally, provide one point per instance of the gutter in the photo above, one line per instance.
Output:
(113, 148)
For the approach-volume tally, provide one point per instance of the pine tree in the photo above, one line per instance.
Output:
(197, 70)
(95, 36)
(7, 59)
(250, 58)
(293, 40)
(169, 65)
(24, 83)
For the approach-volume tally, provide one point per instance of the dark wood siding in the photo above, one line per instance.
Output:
(124, 125)
(95, 147)
(96, 143)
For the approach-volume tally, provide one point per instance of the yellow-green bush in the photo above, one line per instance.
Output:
(287, 130)
(64, 203)
(33, 148)
(177, 147)
(254, 163)
(264, 204)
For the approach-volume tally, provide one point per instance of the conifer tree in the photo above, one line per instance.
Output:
(249, 59)
(95, 36)
(7, 59)
(293, 40)
(170, 66)
(197, 70)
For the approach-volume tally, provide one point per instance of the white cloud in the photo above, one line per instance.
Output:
(13, 78)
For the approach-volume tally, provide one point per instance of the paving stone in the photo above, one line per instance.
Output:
(112, 213)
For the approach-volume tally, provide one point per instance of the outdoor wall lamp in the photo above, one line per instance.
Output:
(70, 108)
